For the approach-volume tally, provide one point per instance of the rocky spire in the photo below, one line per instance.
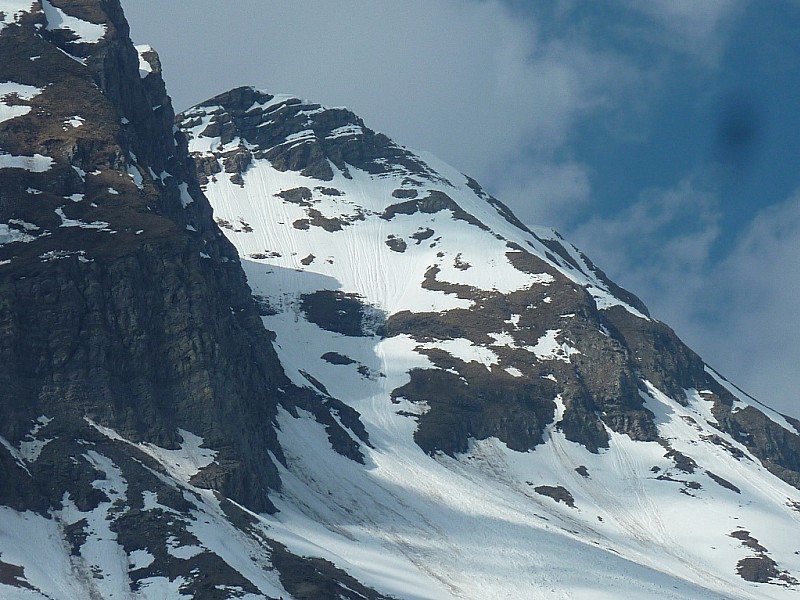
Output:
(122, 304)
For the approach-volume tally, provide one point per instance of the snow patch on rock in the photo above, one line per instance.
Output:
(86, 32)
(35, 164)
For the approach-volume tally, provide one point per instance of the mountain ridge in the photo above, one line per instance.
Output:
(381, 385)
(236, 114)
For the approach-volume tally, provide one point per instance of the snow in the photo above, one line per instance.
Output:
(16, 231)
(12, 10)
(472, 526)
(182, 464)
(548, 347)
(75, 121)
(346, 250)
(277, 99)
(30, 448)
(161, 587)
(503, 338)
(743, 400)
(53, 568)
(300, 136)
(67, 222)
(101, 550)
(466, 351)
(183, 552)
(34, 541)
(101, 568)
(10, 89)
(136, 176)
(36, 163)
(245, 554)
(144, 66)
(347, 130)
(86, 32)
(140, 559)
(186, 197)
(63, 254)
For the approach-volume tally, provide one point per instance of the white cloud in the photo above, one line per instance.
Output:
(498, 93)
(545, 193)
(472, 82)
(758, 335)
(697, 28)
(663, 234)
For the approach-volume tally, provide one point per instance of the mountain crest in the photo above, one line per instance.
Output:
(293, 135)
(269, 353)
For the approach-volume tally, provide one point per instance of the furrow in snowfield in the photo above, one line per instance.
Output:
(385, 243)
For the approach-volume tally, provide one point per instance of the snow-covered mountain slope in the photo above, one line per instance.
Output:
(138, 387)
(532, 432)
(450, 404)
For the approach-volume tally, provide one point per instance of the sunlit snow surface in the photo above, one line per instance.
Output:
(409, 525)
(11, 92)
(101, 566)
(474, 526)
(84, 31)
(36, 163)
(12, 10)
(144, 67)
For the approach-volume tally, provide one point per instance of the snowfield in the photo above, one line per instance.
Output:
(474, 525)
(330, 263)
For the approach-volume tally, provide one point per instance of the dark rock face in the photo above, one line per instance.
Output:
(136, 345)
(123, 306)
(598, 382)
(313, 578)
(778, 449)
(298, 136)
(557, 492)
(760, 568)
(335, 311)
(130, 308)
(434, 202)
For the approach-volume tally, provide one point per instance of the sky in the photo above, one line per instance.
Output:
(662, 138)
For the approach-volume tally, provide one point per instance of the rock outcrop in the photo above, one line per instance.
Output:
(123, 304)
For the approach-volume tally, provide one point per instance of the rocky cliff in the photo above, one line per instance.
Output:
(122, 303)
(607, 344)
(360, 376)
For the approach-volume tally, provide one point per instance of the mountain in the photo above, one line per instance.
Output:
(269, 353)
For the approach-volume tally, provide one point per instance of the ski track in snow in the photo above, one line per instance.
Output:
(419, 527)
(442, 528)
